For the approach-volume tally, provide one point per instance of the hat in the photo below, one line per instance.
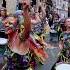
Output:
(18, 12)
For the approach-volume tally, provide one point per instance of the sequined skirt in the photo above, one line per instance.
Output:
(19, 62)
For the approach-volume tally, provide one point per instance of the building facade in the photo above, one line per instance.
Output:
(11, 5)
(61, 7)
(1, 1)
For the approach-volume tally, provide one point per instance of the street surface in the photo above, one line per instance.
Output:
(53, 55)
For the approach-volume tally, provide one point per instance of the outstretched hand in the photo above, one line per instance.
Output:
(26, 4)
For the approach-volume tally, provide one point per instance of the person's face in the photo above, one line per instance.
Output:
(2, 13)
(67, 22)
(9, 24)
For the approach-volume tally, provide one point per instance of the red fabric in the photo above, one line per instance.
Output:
(36, 50)
(21, 47)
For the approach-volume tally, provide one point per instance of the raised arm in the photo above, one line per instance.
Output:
(61, 45)
(61, 41)
(27, 20)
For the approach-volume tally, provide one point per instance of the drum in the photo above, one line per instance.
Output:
(3, 37)
(3, 41)
(3, 44)
(63, 67)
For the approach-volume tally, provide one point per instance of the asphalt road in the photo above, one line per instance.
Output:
(53, 55)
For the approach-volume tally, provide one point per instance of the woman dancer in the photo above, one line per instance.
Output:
(21, 44)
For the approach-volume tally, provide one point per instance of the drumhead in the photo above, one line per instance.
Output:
(3, 41)
(63, 67)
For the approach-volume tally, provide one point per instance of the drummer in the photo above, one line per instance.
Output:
(3, 36)
(3, 16)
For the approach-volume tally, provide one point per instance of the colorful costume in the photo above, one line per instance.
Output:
(64, 56)
(65, 53)
(21, 47)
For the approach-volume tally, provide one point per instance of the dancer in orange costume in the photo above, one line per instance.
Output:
(20, 43)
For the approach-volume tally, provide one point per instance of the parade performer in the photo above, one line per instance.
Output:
(20, 43)
(65, 41)
(64, 44)
(3, 16)
(3, 36)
